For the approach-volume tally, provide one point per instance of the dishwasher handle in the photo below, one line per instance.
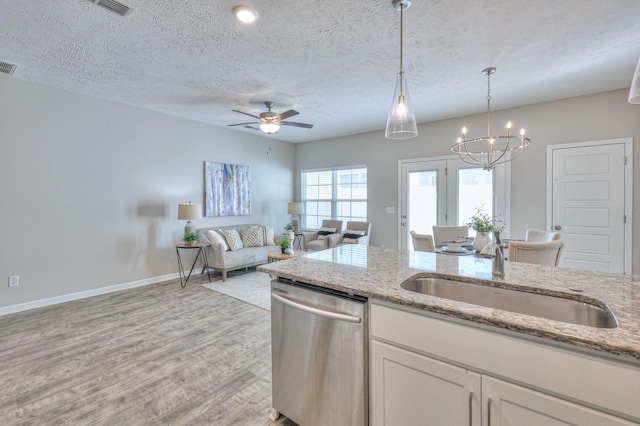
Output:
(316, 311)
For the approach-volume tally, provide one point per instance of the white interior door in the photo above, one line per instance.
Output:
(588, 186)
(423, 188)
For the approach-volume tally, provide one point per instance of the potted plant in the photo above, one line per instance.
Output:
(285, 244)
(290, 228)
(484, 227)
(190, 238)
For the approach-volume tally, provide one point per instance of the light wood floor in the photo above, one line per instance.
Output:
(155, 355)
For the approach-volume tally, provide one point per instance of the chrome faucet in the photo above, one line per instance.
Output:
(495, 251)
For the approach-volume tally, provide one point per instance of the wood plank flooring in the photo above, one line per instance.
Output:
(155, 355)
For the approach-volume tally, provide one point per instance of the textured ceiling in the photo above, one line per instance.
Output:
(334, 62)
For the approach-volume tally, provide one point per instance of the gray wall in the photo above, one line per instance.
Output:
(601, 116)
(90, 188)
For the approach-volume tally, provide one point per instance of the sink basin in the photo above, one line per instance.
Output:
(538, 305)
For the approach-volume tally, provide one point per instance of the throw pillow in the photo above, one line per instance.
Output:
(252, 237)
(216, 238)
(323, 232)
(351, 236)
(268, 236)
(233, 239)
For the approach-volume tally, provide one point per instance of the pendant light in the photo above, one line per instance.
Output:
(401, 121)
(488, 151)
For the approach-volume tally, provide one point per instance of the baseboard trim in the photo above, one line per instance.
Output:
(12, 309)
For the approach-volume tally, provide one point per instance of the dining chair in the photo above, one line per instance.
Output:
(536, 236)
(545, 253)
(442, 234)
(422, 242)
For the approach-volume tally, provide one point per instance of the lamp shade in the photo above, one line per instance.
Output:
(189, 211)
(295, 208)
(634, 93)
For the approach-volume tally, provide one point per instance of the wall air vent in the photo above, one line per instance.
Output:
(114, 6)
(7, 67)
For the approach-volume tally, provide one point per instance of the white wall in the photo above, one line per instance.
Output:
(90, 188)
(601, 116)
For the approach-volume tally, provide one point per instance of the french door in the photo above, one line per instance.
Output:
(447, 191)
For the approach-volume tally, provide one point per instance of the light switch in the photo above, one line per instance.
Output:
(391, 209)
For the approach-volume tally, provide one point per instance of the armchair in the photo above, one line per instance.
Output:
(320, 240)
(356, 233)
(535, 236)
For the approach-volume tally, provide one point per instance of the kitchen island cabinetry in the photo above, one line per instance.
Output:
(432, 371)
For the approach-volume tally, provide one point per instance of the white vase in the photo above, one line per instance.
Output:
(481, 240)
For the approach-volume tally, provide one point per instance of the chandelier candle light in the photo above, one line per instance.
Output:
(490, 150)
(401, 121)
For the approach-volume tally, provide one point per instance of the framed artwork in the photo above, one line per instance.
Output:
(227, 189)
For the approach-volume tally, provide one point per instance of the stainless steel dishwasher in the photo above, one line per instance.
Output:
(319, 355)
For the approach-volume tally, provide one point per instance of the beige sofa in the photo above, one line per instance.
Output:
(223, 256)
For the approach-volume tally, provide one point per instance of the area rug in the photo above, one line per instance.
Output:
(252, 287)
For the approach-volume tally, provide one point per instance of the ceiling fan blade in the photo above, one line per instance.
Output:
(242, 124)
(286, 114)
(246, 113)
(293, 123)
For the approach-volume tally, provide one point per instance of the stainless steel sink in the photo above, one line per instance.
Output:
(538, 305)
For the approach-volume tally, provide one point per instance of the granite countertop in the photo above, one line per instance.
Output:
(377, 273)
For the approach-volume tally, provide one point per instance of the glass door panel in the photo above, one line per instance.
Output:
(423, 202)
(475, 190)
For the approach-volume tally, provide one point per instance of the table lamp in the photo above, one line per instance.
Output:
(295, 209)
(189, 212)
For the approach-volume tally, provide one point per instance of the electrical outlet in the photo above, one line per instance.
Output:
(14, 281)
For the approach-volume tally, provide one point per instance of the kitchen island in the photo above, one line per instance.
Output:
(586, 368)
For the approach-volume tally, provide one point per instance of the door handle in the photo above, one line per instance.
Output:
(316, 311)
(557, 227)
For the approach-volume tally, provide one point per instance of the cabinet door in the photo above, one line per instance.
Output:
(412, 389)
(511, 405)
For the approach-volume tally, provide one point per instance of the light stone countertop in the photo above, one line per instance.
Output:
(377, 273)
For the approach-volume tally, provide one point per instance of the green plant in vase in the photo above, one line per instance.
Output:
(484, 226)
(285, 244)
(190, 238)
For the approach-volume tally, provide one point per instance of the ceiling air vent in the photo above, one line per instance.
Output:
(114, 6)
(7, 67)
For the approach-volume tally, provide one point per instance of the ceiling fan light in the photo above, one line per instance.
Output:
(269, 128)
(245, 14)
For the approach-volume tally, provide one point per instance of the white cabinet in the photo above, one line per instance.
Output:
(429, 370)
(411, 389)
(506, 404)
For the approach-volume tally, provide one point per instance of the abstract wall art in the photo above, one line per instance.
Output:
(227, 189)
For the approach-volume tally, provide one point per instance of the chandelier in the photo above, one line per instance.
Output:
(401, 121)
(490, 150)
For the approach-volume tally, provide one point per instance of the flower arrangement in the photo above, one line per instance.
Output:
(482, 223)
(289, 227)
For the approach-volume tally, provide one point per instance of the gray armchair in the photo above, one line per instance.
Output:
(356, 233)
(318, 240)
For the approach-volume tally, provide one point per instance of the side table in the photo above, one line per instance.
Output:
(201, 252)
(278, 255)
(298, 240)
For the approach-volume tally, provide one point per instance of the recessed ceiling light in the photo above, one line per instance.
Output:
(245, 14)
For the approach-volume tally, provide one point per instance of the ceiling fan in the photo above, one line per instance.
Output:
(270, 122)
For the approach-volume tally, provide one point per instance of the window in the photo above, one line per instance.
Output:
(339, 194)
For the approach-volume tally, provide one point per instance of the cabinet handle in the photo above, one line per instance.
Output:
(470, 408)
(489, 412)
